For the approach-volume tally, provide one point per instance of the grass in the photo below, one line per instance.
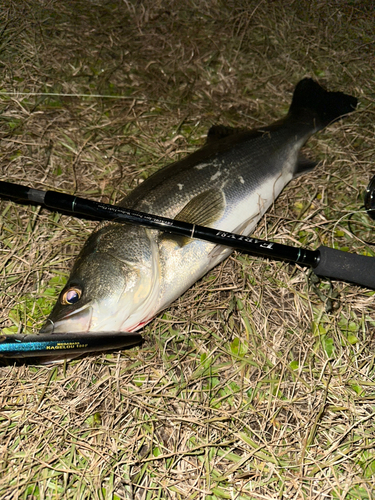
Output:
(258, 382)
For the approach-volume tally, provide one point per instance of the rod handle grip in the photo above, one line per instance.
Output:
(345, 266)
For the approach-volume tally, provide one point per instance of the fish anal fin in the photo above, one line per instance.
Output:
(304, 165)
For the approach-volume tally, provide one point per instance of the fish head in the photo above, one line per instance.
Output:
(110, 288)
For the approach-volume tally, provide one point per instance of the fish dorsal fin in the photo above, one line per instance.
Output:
(304, 165)
(204, 209)
(218, 132)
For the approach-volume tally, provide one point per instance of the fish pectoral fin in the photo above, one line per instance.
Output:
(204, 210)
(304, 165)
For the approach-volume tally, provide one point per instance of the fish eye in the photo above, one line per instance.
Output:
(71, 296)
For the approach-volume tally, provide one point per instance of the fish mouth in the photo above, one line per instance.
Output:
(75, 321)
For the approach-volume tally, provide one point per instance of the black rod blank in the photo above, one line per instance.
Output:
(324, 261)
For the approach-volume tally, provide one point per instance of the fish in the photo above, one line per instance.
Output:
(125, 274)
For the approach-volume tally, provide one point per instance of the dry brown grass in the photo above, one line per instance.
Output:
(246, 387)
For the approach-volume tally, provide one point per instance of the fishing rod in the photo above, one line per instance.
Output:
(60, 344)
(326, 262)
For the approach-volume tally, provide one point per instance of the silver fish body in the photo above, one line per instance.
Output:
(126, 274)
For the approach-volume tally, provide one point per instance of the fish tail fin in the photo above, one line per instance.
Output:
(322, 106)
